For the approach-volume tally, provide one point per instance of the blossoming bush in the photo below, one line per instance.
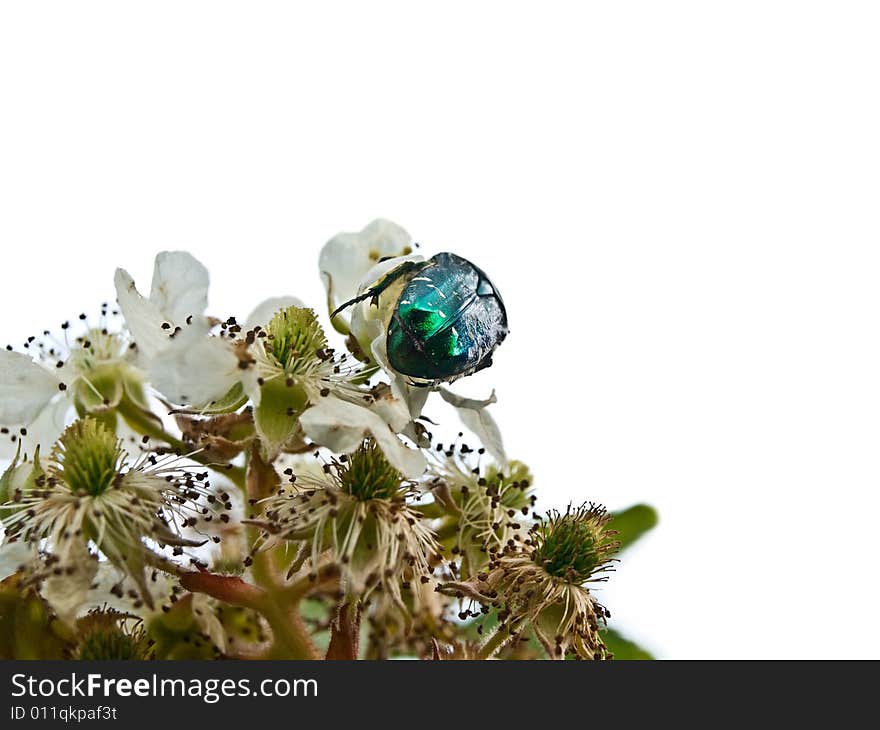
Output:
(181, 486)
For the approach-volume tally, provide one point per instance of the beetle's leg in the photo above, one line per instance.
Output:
(374, 292)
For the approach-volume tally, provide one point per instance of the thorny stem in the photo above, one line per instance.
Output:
(279, 607)
(292, 640)
(495, 642)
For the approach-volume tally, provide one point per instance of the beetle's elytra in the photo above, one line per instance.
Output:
(447, 321)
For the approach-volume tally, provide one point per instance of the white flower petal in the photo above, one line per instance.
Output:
(341, 426)
(346, 257)
(142, 317)
(43, 431)
(25, 388)
(13, 555)
(208, 621)
(109, 576)
(369, 326)
(195, 368)
(413, 397)
(67, 593)
(180, 286)
(392, 410)
(267, 309)
(477, 419)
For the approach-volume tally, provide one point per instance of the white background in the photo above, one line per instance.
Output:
(677, 200)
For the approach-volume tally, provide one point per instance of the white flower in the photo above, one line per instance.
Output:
(485, 506)
(478, 420)
(93, 372)
(352, 263)
(280, 361)
(178, 299)
(171, 331)
(347, 257)
(342, 426)
(187, 362)
(26, 390)
(305, 385)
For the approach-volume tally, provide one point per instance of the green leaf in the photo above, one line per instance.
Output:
(633, 522)
(623, 648)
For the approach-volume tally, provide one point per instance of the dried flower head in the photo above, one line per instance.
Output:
(90, 372)
(541, 584)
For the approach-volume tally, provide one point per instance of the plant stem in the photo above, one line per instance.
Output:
(495, 642)
(227, 588)
(292, 641)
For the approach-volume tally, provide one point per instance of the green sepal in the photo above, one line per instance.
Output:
(6, 488)
(12, 481)
(28, 628)
(243, 626)
(135, 391)
(177, 634)
(229, 403)
(277, 416)
(102, 391)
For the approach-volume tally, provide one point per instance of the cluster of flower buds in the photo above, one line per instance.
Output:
(185, 486)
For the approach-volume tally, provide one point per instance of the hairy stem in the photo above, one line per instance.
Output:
(494, 643)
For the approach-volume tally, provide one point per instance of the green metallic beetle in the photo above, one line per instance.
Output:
(447, 321)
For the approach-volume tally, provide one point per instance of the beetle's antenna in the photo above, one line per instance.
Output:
(357, 299)
(386, 281)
